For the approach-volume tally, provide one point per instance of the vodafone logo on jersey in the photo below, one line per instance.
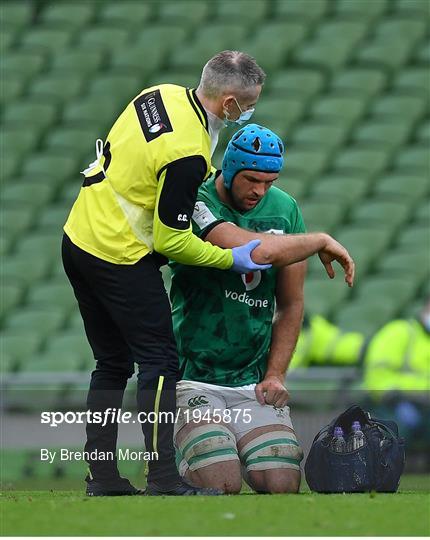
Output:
(251, 280)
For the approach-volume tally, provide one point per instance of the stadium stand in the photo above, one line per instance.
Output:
(348, 88)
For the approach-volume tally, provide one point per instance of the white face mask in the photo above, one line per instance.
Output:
(245, 116)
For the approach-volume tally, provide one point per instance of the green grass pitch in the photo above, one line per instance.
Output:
(58, 512)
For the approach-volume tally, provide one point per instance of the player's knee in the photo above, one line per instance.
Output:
(210, 447)
(276, 454)
(286, 481)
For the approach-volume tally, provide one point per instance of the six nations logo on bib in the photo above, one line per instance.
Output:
(251, 280)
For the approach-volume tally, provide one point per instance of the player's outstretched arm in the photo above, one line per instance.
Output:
(282, 250)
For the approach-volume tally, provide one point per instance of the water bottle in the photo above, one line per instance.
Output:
(338, 443)
(356, 439)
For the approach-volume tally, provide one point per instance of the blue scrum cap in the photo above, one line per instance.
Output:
(252, 148)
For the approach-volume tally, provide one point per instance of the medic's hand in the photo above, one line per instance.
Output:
(271, 391)
(242, 262)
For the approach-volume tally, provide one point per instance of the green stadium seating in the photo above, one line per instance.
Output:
(368, 11)
(16, 268)
(19, 345)
(241, 11)
(423, 212)
(74, 342)
(65, 361)
(11, 295)
(406, 187)
(365, 244)
(368, 82)
(187, 13)
(423, 133)
(167, 37)
(43, 115)
(390, 53)
(347, 189)
(105, 38)
(128, 13)
(59, 168)
(44, 321)
(7, 39)
(10, 166)
(386, 134)
(389, 213)
(272, 53)
(47, 39)
(370, 161)
(348, 32)
(321, 215)
(292, 183)
(423, 53)
(70, 192)
(54, 217)
(7, 365)
(392, 291)
(44, 244)
(24, 63)
(411, 266)
(98, 111)
(72, 14)
(415, 157)
(123, 87)
(322, 54)
(33, 192)
(408, 7)
(75, 322)
(77, 141)
(15, 140)
(324, 296)
(411, 30)
(128, 60)
(311, 11)
(57, 294)
(208, 41)
(273, 112)
(307, 162)
(365, 317)
(16, 220)
(6, 242)
(338, 108)
(408, 108)
(188, 79)
(328, 136)
(17, 14)
(79, 61)
(302, 83)
(11, 89)
(414, 237)
(57, 88)
(413, 80)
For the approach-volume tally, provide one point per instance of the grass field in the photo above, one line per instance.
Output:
(59, 512)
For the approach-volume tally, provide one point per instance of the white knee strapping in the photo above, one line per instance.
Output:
(208, 444)
(274, 450)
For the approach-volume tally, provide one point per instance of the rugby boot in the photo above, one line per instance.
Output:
(116, 487)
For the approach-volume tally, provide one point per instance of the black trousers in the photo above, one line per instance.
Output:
(127, 319)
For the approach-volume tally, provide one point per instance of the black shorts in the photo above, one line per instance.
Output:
(126, 312)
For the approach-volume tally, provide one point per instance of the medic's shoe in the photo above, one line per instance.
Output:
(116, 487)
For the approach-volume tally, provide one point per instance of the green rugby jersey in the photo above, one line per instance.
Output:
(223, 320)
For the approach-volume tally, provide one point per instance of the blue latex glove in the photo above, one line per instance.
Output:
(242, 262)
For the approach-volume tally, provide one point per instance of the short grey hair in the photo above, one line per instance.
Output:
(230, 71)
